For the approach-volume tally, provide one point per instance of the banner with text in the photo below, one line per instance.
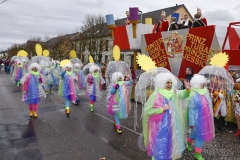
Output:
(156, 50)
(197, 49)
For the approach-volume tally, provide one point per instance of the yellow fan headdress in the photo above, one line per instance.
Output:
(38, 49)
(145, 62)
(46, 53)
(91, 59)
(73, 54)
(22, 53)
(116, 53)
(64, 62)
(220, 59)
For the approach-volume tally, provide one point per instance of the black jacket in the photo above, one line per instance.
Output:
(198, 23)
(188, 26)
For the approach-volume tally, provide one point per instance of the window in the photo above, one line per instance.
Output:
(122, 56)
(83, 47)
(94, 46)
(106, 45)
(101, 45)
(106, 58)
(83, 58)
(89, 46)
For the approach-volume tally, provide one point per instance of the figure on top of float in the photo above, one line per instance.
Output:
(163, 23)
(185, 23)
(199, 21)
(127, 21)
(173, 24)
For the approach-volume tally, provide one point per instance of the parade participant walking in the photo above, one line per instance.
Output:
(66, 86)
(200, 115)
(94, 85)
(18, 73)
(118, 99)
(237, 111)
(80, 83)
(32, 89)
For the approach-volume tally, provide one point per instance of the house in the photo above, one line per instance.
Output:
(3, 53)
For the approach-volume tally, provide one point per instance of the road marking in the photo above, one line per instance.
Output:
(121, 125)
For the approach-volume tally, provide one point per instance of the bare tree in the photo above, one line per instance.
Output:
(95, 36)
(59, 46)
(2, 1)
(13, 49)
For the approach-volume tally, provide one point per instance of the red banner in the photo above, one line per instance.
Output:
(156, 50)
(121, 38)
(196, 50)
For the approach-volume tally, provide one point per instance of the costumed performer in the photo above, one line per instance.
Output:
(32, 89)
(66, 86)
(94, 85)
(81, 84)
(218, 94)
(237, 111)
(200, 115)
(18, 73)
(163, 123)
(118, 104)
(162, 24)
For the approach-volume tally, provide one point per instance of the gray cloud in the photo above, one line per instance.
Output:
(219, 16)
(22, 19)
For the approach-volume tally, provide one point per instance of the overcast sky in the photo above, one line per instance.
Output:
(23, 19)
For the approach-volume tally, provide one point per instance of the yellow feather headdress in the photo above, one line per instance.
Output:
(116, 53)
(91, 59)
(64, 62)
(73, 54)
(220, 59)
(38, 49)
(145, 62)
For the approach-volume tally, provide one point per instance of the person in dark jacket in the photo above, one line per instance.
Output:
(173, 25)
(189, 74)
(185, 23)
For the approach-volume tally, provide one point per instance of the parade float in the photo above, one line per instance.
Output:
(178, 49)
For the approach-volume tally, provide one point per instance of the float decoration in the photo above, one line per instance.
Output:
(145, 62)
(64, 62)
(38, 49)
(73, 54)
(46, 53)
(116, 53)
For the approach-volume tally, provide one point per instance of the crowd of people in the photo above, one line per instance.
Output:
(173, 24)
(5, 64)
(165, 123)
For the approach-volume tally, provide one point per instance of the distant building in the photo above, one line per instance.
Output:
(3, 53)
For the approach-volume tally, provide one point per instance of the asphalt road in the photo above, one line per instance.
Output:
(83, 135)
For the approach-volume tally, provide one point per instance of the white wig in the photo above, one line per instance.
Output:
(116, 76)
(53, 63)
(161, 79)
(197, 81)
(34, 65)
(77, 65)
(93, 68)
(68, 66)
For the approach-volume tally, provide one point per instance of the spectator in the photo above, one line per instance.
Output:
(7, 67)
(1, 61)
(189, 74)
(103, 70)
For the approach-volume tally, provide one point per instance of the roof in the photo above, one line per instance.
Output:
(66, 37)
(155, 14)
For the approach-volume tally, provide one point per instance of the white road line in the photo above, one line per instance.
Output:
(121, 125)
